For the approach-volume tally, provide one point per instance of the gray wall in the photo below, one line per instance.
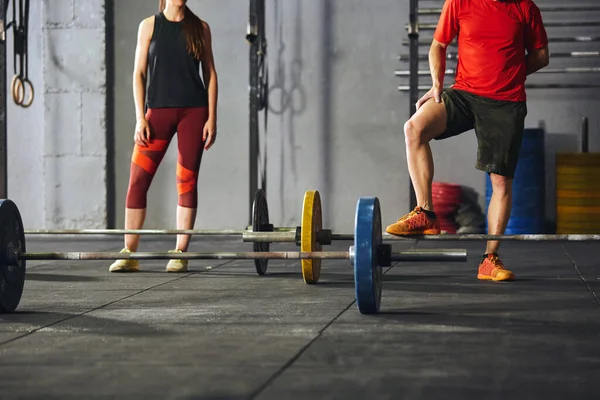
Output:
(336, 117)
(335, 122)
(57, 147)
(340, 132)
(26, 183)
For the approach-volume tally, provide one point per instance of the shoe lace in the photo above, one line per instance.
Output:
(411, 214)
(494, 259)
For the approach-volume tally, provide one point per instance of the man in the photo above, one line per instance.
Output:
(499, 44)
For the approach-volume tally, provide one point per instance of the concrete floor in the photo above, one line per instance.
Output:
(226, 333)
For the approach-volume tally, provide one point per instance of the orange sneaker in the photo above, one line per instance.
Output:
(492, 269)
(416, 222)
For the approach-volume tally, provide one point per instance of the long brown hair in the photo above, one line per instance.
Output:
(193, 28)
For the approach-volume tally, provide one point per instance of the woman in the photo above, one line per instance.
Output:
(171, 46)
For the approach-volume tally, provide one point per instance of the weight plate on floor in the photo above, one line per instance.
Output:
(578, 159)
(260, 223)
(312, 223)
(590, 201)
(368, 276)
(590, 210)
(12, 237)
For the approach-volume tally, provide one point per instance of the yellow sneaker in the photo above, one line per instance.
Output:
(175, 265)
(125, 265)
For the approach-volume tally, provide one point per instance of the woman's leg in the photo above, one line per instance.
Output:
(144, 164)
(191, 147)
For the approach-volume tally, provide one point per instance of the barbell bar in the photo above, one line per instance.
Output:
(293, 234)
(14, 256)
(367, 254)
(567, 70)
(454, 56)
(270, 238)
(193, 232)
(424, 88)
(555, 39)
(260, 222)
(550, 24)
(435, 11)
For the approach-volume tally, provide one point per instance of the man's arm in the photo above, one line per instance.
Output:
(437, 63)
(537, 60)
(446, 31)
(536, 42)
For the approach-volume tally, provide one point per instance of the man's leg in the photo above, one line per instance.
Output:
(498, 209)
(499, 126)
(491, 267)
(426, 124)
(432, 121)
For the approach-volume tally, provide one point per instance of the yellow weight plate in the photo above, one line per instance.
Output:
(577, 210)
(580, 182)
(577, 218)
(312, 223)
(588, 170)
(578, 177)
(581, 225)
(579, 186)
(567, 230)
(582, 202)
(578, 194)
(574, 159)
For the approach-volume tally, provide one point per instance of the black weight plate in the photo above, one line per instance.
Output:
(12, 236)
(260, 220)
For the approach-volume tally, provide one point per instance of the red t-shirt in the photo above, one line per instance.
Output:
(492, 39)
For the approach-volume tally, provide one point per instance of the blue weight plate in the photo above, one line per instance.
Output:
(12, 236)
(533, 132)
(525, 222)
(368, 276)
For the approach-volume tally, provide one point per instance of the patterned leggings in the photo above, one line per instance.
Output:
(164, 122)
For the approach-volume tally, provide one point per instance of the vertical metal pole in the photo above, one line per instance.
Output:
(413, 36)
(3, 103)
(109, 18)
(252, 38)
(256, 36)
(584, 134)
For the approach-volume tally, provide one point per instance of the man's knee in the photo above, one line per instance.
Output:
(413, 132)
(501, 185)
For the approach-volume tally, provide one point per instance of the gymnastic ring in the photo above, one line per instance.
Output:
(18, 90)
(26, 82)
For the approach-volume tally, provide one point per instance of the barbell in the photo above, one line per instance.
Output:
(368, 254)
(310, 236)
(585, 8)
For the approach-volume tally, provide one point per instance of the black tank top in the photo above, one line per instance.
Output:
(173, 73)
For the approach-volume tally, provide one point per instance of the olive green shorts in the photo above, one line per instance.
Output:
(498, 125)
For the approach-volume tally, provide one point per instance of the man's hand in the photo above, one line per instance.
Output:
(209, 134)
(435, 93)
(142, 133)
